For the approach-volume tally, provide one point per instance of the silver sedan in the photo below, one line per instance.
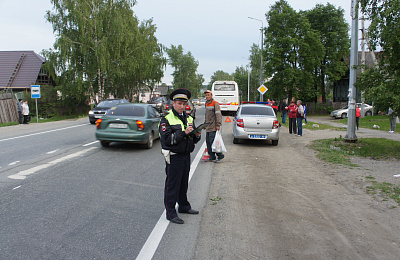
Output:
(256, 121)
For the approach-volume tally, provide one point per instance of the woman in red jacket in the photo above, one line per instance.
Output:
(358, 115)
(292, 108)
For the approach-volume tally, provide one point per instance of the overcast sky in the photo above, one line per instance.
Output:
(218, 33)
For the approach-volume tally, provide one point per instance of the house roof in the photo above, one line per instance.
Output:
(20, 68)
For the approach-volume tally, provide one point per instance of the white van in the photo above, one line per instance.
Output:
(226, 93)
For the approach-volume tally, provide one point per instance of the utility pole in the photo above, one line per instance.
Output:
(351, 126)
(262, 43)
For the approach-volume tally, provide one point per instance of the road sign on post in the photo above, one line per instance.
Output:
(262, 89)
(35, 93)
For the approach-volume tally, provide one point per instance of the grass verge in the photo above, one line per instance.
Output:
(44, 120)
(370, 121)
(337, 151)
(384, 189)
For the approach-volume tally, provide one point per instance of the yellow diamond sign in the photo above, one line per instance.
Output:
(262, 89)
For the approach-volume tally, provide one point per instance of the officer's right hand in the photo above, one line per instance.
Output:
(189, 129)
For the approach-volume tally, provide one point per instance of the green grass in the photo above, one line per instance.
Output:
(385, 189)
(338, 151)
(370, 121)
(44, 120)
(8, 124)
(310, 124)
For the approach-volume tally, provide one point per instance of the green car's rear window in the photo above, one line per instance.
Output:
(127, 111)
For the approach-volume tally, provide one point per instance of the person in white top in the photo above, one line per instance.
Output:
(25, 111)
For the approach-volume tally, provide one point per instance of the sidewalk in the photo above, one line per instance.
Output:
(362, 132)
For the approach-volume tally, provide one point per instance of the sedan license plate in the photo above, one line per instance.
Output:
(257, 137)
(98, 116)
(124, 126)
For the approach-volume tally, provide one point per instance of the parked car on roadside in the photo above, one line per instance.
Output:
(256, 122)
(158, 103)
(129, 123)
(190, 108)
(342, 113)
(99, 110)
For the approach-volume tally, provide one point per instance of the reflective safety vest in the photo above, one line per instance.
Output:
(174, 120)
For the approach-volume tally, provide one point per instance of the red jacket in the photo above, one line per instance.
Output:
(358, 112)
(292, 111)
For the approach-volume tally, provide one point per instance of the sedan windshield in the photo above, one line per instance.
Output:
(264, 111)
(109, 103)
(127, 111)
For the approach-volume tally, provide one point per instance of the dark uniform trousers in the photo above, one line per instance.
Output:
(176, 184)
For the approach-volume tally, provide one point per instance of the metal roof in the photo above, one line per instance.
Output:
(19, 69)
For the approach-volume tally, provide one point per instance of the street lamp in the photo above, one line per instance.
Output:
(248, 82)
(262, 43)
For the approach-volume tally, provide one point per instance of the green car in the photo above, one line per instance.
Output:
(129, 123)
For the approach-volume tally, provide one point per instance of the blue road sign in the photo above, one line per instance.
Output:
(35, 91)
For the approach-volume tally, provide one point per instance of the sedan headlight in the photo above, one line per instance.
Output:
(91, 112)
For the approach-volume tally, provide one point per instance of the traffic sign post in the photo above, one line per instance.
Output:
(35, 93)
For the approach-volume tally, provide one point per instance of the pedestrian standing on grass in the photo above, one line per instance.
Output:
(358, 115)
(305, 106)
(292, 109)
(213, 117)
(300, 115)
(25, 111)
(392, 118)
(284, 111)
(20, 109)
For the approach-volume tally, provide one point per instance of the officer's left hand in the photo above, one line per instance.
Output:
(198, 133)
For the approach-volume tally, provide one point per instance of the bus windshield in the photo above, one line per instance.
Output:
(224, 87)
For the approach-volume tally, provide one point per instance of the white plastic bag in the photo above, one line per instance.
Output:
(397, 120)
(218, 144)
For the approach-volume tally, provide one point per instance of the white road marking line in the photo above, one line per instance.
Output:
(152, 242)
(13, 163)
(55, 130)
(17, 187)
(22, 174)
(52, 151)
(91, 143)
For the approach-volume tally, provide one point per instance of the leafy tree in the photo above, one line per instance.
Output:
(382, 84)
(333, 31)
(220, 75)
(293, 52)
(101, 45)
(185, 67)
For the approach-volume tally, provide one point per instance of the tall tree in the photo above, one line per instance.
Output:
(292, 53)
(185, 67)
(220, 75)
(382, 84)
(333, 30)
(101, 44)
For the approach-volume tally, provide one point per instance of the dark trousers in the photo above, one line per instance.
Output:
(20, 117)
(210, 136)
(292, 125)
(26, 119)
(357, 121)
(176, 184)
(284, 118)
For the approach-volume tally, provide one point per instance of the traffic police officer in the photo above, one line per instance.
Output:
(177, 142)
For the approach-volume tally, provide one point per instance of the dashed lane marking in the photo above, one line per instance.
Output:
(23, 174)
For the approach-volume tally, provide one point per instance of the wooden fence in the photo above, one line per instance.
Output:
(8, 109)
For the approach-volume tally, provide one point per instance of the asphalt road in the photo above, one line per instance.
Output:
(63, 196)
